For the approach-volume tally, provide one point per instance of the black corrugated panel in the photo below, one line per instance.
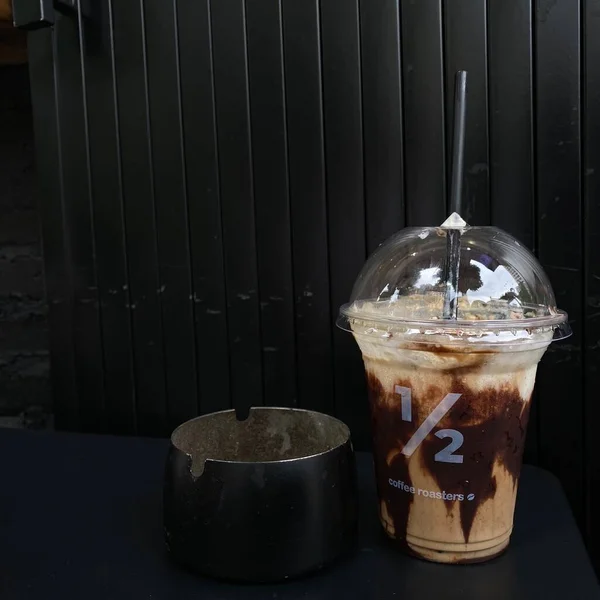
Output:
(272, 200)
(512, 137)
(590, 126)
(79, 223)
(171, 208)
(465, 47)
(106, 202)
(424, 115)
(234, 137)
(57, 267)
(137, 192)
(558, 165)
(306, 156)
(342, 110)
(213, 175)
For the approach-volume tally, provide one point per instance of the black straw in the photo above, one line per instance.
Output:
(450, 310)
(458, 142)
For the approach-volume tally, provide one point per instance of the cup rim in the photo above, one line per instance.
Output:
(344, 427)
(518, 333)
(558, 317)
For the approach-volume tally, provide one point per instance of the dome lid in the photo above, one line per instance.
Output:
(500, 286)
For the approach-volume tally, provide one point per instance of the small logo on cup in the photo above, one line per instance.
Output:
(471, 497)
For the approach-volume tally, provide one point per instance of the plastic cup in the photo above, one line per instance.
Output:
(450, 399)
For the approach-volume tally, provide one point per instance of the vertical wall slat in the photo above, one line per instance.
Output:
(511, 120)
(559, 237)
(302, 54)
(381, 72)
(235, 162)
(271, 192)
(87, 338)
(107, 209)
(591, 323)
(138, 201)
(511, 132)
(171, 210)
(342, 110)
(465, 48)
(424, 116)
(202, 181)
(51, 206)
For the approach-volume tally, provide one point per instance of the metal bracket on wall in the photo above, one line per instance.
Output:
(34, 14)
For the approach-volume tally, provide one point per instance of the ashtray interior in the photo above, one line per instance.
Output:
(267, 435)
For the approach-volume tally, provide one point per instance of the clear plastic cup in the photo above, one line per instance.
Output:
(450, 398)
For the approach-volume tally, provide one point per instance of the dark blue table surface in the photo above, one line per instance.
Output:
(80, 517)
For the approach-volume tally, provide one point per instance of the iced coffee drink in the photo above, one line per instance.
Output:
(450, 398)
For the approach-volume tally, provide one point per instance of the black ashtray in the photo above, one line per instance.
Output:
(264, 499)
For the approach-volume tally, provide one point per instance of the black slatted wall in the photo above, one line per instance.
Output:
(214, 173)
